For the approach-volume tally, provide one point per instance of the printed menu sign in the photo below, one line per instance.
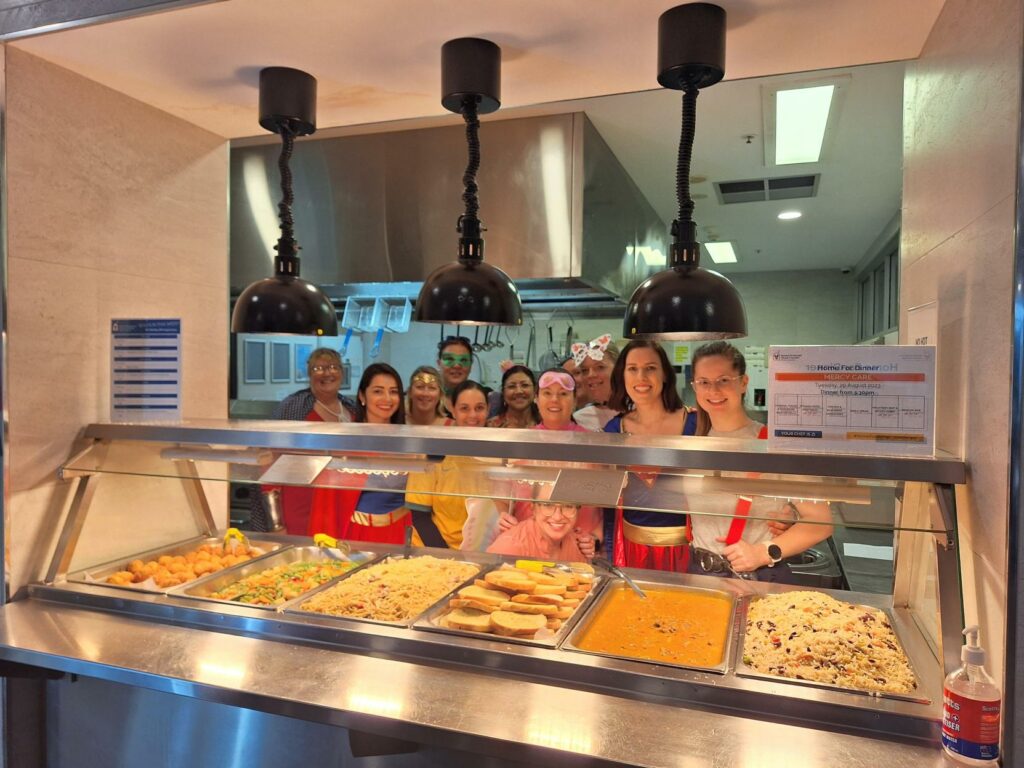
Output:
(145, 369)
(852, 399)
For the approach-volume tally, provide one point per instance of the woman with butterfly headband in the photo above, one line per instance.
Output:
(595, 361)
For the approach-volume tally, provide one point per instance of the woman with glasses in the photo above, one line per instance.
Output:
(550, 533)
(556, 397)
(518, 409)
(289, 506)
(643, 385)
(736, 538)
(424, 406)
(455, 361)
(350, 511)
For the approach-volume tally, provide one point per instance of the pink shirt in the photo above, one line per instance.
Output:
(526, 540)
(589, 519)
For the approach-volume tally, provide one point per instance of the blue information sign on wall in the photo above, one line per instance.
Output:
(145, 369)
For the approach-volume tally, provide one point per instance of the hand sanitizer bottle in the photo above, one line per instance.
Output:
(970, 708)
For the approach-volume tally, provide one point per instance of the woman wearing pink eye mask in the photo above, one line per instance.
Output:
(556, 398)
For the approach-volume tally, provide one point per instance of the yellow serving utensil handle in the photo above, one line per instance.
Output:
(234, 533)
(323, 540)
(537, 566)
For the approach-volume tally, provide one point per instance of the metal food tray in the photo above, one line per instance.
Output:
(99, 574)
(745, 670)
(485, 561)
(429, 620)
(204, 588)
(587, 621)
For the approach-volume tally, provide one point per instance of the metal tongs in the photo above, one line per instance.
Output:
(619, 572)
(407, 549)
(334, 549)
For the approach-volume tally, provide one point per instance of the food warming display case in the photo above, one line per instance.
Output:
(360, 636)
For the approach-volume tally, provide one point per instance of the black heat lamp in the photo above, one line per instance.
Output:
(470, 291)
(285, 303)
(685, 301)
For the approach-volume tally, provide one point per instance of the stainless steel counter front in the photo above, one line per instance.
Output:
(721, 454)
(456, 708)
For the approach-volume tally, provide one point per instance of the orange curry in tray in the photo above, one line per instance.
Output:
(669, 627)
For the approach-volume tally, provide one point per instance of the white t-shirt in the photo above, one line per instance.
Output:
(706, 528)
(594, 417)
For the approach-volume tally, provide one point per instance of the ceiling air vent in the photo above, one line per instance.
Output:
(755, 190)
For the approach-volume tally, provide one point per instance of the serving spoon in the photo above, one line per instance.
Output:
(619, 572)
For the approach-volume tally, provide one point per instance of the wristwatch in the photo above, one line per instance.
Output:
(774, 553)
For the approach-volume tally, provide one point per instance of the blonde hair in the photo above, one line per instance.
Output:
(426, 370)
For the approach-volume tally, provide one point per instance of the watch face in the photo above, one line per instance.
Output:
(775, 552)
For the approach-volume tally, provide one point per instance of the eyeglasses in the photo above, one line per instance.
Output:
(512, 386)
(568, 511)
(722, 382)
(329, 368)
(450, 361)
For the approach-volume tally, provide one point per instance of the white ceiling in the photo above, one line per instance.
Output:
(860, 168)
(379, 61)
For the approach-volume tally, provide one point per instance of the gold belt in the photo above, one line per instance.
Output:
(654, 536)
(378, 521)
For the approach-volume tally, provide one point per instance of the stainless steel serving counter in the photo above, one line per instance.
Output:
(176, 660)
(724, 454)
(470, 711)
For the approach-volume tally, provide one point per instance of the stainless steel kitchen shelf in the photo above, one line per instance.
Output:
(726, 455)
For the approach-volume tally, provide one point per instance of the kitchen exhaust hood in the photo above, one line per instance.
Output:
(564, 219)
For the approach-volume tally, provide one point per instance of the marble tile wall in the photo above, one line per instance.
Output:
(961, 112)
(115, 210)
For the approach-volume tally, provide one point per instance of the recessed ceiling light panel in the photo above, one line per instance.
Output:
(789, 215)
(721, 253)
(801, 116)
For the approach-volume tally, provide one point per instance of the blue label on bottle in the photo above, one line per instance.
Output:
(970, 748)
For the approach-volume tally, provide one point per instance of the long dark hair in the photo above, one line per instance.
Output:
(381, 369)
(621, 401)
(503, 409)
(715, 349)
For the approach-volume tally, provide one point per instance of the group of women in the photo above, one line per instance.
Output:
(633, 392)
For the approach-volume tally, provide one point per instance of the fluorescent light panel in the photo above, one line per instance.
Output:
(789, 215)
(721, 253)
(800, 119)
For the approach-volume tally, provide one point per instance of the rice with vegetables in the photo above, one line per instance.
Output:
(811, 636)
(393, 590)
